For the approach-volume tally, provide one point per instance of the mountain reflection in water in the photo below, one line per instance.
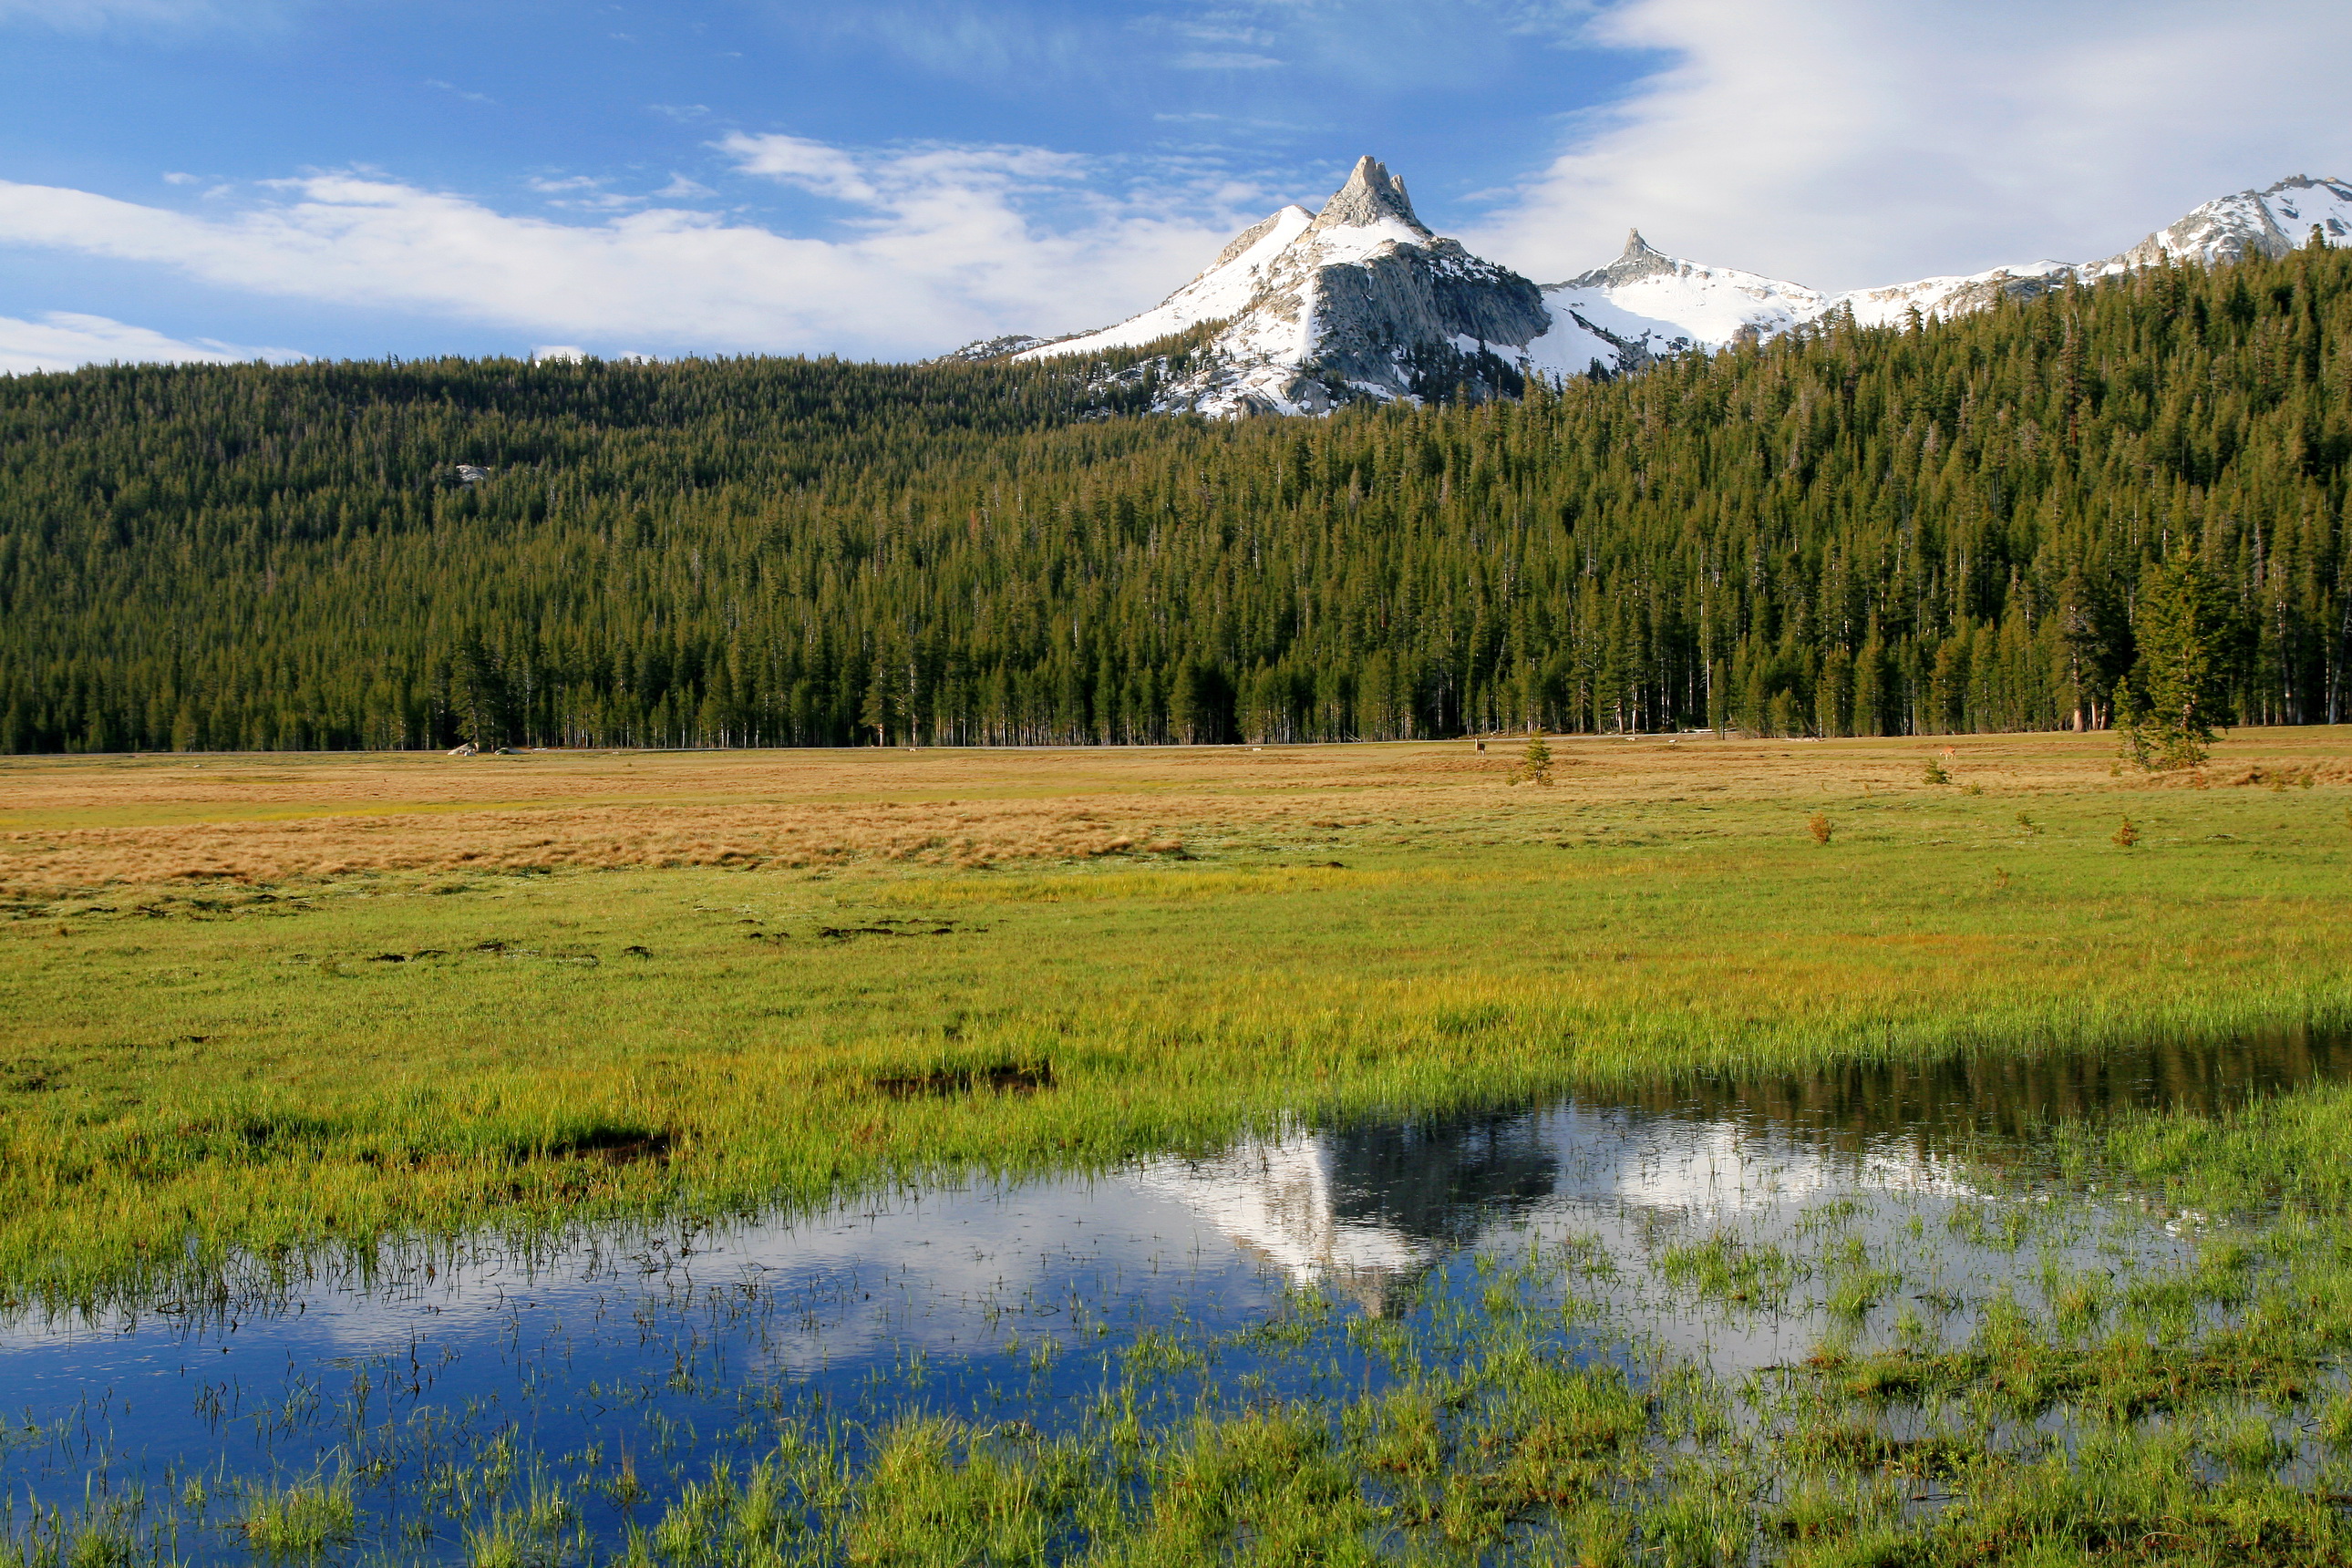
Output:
(1363, 1208)
(1366, 1208)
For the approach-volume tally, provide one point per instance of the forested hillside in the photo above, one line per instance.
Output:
(1854, 531)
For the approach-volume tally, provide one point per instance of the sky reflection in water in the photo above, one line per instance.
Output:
(1022, 1302)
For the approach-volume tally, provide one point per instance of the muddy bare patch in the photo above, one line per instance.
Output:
(947, 1083)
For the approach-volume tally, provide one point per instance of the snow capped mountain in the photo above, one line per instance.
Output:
(1308, 310)
(1646, 304)
(2272, 222)
(1358, 301)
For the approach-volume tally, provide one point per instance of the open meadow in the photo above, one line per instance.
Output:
(269, 1015)
(267, 1001)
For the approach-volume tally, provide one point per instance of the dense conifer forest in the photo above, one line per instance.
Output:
(1936, 529)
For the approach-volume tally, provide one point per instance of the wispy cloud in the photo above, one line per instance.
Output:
(62, 339)
(1846, 142)
(1223, 61)
(995, 45)
(455, 91)
(938, 244)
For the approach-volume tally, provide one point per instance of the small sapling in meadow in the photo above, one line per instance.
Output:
(1535, 763)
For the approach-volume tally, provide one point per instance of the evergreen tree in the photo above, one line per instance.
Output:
(2185, 625)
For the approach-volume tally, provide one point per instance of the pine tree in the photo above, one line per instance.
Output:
(2186, 626)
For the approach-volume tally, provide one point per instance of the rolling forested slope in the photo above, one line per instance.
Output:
(1852, 532)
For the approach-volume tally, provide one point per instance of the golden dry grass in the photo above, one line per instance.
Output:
(86, 822)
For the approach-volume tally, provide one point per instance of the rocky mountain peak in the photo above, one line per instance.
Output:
(1639, 260)
(2269, 222)
(1370, 196)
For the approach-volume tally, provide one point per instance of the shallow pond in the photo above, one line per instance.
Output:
(1735, 1222)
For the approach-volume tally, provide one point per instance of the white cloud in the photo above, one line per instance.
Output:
(455, 91)
(1843, 143)
(941, 246)
(815, 166)
(984, 43)
(1223, 61)
(62, 339)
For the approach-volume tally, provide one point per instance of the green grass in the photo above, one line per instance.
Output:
(2192, 1414)
(194, 1087)
(301, 1522)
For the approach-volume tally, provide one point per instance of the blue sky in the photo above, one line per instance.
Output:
(226, 177)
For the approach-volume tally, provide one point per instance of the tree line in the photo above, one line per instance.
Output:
(1927, 529)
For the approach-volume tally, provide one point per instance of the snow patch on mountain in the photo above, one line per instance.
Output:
(1222, 290)
(2271, 222)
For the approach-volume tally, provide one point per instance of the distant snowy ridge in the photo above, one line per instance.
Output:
(2271, 222)
(1645, 305)
(1310, 311)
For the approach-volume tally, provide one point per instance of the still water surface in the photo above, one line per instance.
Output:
(669, 1348)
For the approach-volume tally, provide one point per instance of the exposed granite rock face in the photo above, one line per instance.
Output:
(1415, 321)
(2002, 284)
(988, 349)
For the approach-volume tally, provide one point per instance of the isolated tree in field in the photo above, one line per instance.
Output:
(1535, 763)
(2186, 626)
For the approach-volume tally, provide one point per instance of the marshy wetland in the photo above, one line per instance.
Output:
(1315, 1154)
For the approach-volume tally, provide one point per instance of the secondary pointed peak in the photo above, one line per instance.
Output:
(1370, 195)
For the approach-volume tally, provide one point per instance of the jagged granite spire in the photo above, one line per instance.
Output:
(1639, 258)
(1370, 195)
